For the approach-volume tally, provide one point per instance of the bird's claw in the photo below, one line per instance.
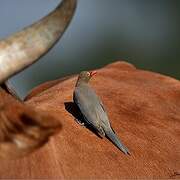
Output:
(79, 122)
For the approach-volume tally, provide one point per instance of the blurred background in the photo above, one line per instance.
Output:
(144, 33)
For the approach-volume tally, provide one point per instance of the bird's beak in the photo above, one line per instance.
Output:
(92, 73)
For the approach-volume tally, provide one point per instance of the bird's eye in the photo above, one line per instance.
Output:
(88, 74)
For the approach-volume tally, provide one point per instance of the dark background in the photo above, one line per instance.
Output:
(143, 32)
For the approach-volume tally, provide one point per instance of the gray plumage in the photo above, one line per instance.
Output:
(93, 110)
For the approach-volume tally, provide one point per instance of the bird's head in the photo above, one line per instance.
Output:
(85, 76)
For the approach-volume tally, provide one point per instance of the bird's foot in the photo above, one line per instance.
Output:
(101, 132)
(79, 122)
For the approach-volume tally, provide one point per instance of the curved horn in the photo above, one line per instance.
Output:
(25, 47)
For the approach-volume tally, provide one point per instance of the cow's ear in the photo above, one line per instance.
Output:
(23, 129)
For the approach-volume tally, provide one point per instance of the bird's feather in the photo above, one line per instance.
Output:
(88, 102)
(94, 113)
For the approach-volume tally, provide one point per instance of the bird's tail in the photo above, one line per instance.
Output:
(113, 137)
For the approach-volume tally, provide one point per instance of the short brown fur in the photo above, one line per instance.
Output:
(144, 109)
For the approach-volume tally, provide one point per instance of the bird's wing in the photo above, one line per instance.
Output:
(105, 119)
(86, 101)
(95, 114)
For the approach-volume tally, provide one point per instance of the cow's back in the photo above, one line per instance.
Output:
(144, 109)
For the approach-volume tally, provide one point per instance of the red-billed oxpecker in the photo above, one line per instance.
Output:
(93, 110)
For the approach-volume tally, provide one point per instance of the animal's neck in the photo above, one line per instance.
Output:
(81, 82)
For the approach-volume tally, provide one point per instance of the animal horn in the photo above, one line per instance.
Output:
(25, 47)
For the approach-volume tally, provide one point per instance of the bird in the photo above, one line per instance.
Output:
(93, 111)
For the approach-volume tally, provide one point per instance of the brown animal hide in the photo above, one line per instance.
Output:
(144, 109)
(22, 129)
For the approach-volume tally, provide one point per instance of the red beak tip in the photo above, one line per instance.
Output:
(92, 73)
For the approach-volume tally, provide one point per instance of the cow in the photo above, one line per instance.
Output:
(143, 106)
(22, 128)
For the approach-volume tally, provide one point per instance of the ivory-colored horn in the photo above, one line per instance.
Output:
(25, 47)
